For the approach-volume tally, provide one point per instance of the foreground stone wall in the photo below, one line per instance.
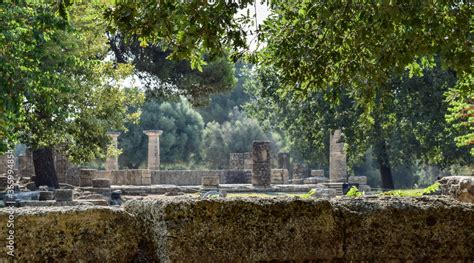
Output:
(425, 229)
(70, 234)
(421, 229)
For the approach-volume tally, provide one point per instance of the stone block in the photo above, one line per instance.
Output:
(459, 187)
(105, 191)
(316, 180)
(357, 180)
(325, 193)
(261, 174)
(317, 173)
(46, 195)
(63, 195)
(337, 167)
(210, 181)
(100, 183)
(279, 176)
(236, 161)
(86, 176)
(238, 177)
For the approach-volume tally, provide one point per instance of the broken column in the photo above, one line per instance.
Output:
(261, 172)
(153, 149)
(337, 162)
(111, 163)
(337, 158)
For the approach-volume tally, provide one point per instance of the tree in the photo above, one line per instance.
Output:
(406, 126)
(361, 46)
(189, 29)
(61, 92)
(164, 78)
(221, 106)
(180, 142)
(316, 44)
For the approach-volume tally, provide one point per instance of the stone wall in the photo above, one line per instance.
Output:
(172, 229)
(190, 177)
(70, 234)
(251, 230)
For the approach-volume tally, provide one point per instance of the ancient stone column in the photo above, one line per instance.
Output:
(261, 172)
(337, 158)
(283, 160)
(153, 149)
(111, 163)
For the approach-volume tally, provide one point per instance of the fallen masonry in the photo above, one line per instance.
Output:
(169, 229)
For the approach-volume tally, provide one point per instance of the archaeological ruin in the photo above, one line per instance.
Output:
(155, 215)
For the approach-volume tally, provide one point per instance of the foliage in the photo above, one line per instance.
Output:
(188, 29)
(414, 192)
(461, 111)
(354, 192)
(432, 188)
(180, 142)
(167, 79)
(61, 92)
(313, 45)
(222, 105)
(309, 194)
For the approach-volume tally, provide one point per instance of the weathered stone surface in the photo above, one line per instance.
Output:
(283, 229)
(70, 234)
(279, 176)
(316, 180)
(357, 180)
(46, 195)
(231, 230)
(63, 195)
(317, 173)
(210, 181)
(459, 187)
(153, 162)
(182, 229)
(236, 161)
(300, 171)
(409, 229)
(101, 182)
(237, 177)
(325, 192)
(261, 174)
(337, 157)
(86, 176)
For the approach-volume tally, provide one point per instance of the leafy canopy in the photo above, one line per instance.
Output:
(61, 91)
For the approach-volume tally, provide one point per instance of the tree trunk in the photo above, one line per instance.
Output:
(45, 172)
(384, 166)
